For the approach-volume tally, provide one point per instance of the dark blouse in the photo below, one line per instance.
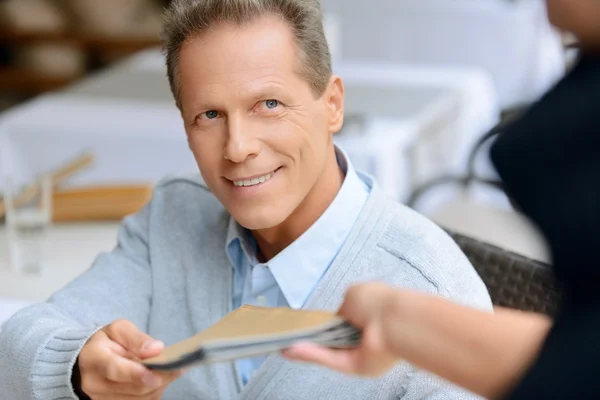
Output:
(550, 163)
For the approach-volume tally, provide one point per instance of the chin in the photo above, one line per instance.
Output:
(255, 220)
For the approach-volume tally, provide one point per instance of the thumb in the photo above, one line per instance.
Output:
(133, 340)
(354, 308)
(364, 302)
(340, 360)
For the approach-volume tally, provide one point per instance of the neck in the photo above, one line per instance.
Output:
(273, 240)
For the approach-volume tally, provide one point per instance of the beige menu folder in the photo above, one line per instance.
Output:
(251, 331)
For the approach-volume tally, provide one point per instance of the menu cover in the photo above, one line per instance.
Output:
(252, 331)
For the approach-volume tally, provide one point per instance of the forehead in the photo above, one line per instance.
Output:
(233, 54)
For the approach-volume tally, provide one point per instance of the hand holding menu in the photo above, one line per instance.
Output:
(251, 331)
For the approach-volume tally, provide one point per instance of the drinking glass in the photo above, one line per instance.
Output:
(28, 219)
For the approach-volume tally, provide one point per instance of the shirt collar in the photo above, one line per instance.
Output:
(299, 267)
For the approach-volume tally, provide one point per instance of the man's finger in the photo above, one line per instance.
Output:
(132, 339)
(116, 348)
(340, 360)
(122, 370)
(130, 389)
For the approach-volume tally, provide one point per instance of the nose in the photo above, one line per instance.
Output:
(241, 143)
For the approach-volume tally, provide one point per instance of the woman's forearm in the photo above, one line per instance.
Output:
(483, 352)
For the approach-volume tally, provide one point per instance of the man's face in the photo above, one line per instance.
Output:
(257, 132)
(581, 17)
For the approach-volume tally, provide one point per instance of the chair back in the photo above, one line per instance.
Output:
(513, 281)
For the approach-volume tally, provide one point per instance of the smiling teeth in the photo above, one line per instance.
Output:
(255, 181)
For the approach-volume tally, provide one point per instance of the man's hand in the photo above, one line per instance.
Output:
(366, 307)
(109, 366)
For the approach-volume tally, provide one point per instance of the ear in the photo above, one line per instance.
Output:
(335, 104)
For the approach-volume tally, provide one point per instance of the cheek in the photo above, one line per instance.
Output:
(313, 146)
(577, 16)
(587, 22)
(304, 140)
(206, 154)
(319, 135)
(558, 13)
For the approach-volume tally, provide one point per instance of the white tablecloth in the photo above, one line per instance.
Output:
(70, 250)
(133, 141)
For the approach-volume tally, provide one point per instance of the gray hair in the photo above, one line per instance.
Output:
(187, 18)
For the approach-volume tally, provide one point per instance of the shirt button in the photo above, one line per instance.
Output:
(262, 301)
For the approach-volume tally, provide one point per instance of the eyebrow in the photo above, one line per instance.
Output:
(263, 91)
(203, 107)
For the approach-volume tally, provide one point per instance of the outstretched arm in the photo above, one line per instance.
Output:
(486, 353)
(41, 344)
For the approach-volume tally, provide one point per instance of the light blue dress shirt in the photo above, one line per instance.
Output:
(288, 279)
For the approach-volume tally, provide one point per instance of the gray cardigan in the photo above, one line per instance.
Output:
(170, 275)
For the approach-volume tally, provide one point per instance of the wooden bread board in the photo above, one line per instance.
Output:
(99, 203)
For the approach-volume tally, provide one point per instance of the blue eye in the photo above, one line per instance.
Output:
(271, 104)
(212, 114)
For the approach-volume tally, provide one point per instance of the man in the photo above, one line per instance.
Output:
(549, 163)
(281, 220)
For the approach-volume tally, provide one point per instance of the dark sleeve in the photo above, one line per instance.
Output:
(76, 382)
(569, 363)
(550, 164)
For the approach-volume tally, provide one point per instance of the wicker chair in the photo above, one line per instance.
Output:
(513, 281)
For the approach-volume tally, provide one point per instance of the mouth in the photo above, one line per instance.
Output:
(255, 181)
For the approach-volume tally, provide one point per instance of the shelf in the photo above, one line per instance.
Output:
(14, 79)
(96, 48)
(99, 42)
